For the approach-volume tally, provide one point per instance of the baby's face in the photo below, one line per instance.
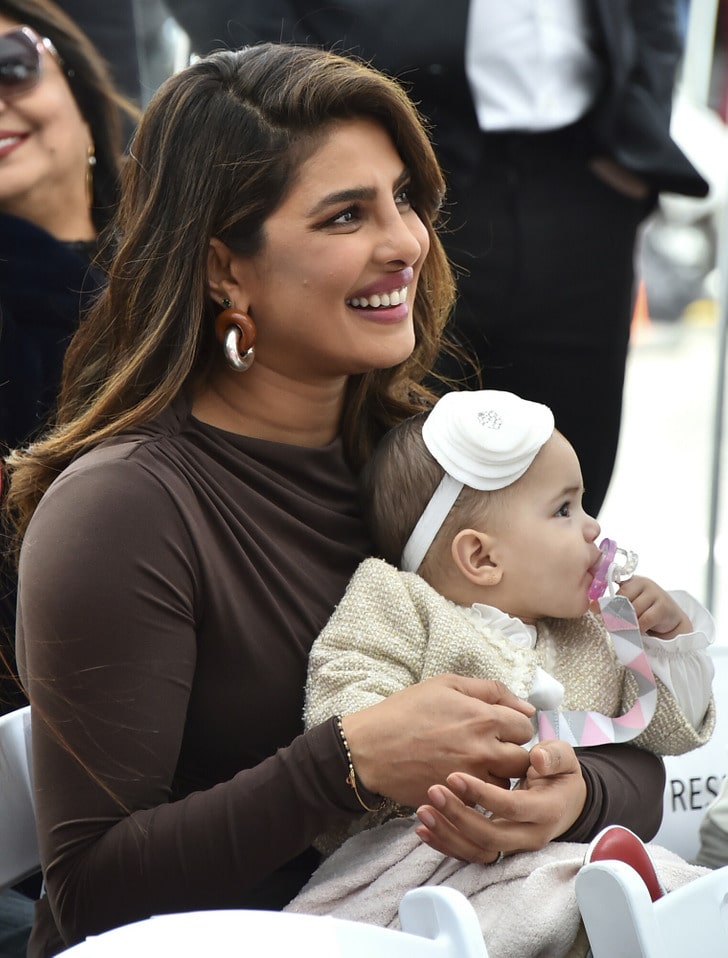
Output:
(545, 542)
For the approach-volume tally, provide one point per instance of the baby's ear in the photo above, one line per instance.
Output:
(472, 554)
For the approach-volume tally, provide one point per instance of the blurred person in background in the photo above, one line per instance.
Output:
(113, 30)
(60, 149)
(60, 156)
(713, 851)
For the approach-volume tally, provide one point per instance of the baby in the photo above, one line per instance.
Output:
(487, 563)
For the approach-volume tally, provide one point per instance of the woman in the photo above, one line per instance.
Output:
(60, 153)
(59, 172)
(277, 297)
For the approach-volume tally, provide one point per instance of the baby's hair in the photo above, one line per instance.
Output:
(397, 484)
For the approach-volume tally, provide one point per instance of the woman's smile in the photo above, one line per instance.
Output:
(383, 302)
(10, 142)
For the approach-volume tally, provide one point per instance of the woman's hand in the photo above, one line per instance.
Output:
(418, 736)
(544, 805)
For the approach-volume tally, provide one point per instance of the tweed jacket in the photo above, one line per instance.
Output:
(392, 629)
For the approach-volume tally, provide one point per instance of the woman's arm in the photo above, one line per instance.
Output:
(109, 617)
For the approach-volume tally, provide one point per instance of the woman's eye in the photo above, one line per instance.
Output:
(14, 71)
(402, 197)
(345, 217)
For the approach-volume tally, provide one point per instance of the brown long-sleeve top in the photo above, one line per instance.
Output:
(171, 586)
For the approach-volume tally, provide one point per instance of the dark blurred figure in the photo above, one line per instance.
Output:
(112, 29)
(551, 121)
(59, 173)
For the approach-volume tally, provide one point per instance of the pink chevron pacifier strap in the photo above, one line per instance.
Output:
(583, 728)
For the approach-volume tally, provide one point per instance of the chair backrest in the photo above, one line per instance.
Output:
(19, 856)
(621, 919)
(694, 779)
(436, 923)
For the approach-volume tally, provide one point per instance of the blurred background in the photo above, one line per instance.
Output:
(669, 490)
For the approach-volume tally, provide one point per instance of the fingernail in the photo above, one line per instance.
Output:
(547, 759)
(426, 817)
(437, 796)
(457, 784)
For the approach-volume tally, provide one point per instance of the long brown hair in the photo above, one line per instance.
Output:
(89, 80)
(215, 153)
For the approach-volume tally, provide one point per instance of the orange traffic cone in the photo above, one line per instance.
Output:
(640, 315)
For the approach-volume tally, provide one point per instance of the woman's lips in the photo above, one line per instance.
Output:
(387, 284)
(378, 300)
(385, 308)
(10, 142)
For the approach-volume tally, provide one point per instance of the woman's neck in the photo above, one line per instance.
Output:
(262, 404)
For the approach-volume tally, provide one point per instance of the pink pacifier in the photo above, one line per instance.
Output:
(615, 565)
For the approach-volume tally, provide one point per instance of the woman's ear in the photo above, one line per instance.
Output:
(223, 274)
(472, 553)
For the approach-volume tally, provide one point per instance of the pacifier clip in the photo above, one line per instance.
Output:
(584, 728)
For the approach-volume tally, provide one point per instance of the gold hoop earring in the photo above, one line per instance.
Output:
(236, 331)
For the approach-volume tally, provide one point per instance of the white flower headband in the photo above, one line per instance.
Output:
(485, 439)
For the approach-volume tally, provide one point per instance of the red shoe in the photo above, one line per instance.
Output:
(616, 843)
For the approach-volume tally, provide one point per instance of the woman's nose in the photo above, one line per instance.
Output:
(406, 239)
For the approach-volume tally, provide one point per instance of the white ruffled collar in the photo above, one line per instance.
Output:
(486, 617)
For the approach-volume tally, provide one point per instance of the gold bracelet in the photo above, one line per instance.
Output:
(351, 777)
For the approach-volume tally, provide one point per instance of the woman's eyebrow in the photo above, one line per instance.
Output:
(343, 196)
(357, 193)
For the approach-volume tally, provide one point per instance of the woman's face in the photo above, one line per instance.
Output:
(332, 290)
(44, 145)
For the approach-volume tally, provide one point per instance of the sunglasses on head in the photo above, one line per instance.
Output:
(21, 61)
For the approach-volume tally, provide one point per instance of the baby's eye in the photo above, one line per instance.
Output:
(564, 510)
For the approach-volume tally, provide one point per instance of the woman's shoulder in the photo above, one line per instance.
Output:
(135, 473)
(110, 485)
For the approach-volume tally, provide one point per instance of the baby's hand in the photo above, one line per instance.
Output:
(657, 613)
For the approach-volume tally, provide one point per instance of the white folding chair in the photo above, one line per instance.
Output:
(436, 923)
(19, 856)
(622, 920)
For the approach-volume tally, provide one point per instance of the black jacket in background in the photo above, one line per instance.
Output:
(44, 287)
(423, 43)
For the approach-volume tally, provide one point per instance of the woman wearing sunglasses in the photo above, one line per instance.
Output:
(60, 151)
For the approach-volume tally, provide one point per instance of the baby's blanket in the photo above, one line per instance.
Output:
(526, 904)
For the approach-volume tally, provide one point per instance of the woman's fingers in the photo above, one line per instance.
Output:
(475, 820)
(456, 829)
